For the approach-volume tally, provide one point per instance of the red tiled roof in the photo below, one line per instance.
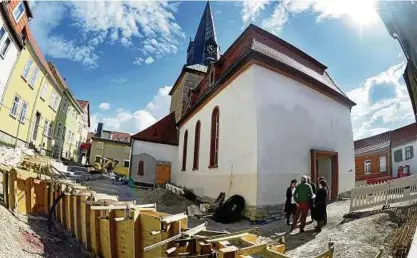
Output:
(404, 135)
(373, 143)
(258, 45)
(164, 131)
(120, 137)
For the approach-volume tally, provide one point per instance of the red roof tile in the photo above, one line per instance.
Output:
(373, 143)
(164, 131)
(120, 137)
(404, 135)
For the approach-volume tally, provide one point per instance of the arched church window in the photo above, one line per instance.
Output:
(214, 139)
(196, 145)
(184, 151)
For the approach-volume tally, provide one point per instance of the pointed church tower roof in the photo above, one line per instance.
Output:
(206, 35)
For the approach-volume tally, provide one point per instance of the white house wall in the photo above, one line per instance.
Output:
(161, 152)
(292, 120)
(411, 162)
(6, 64)
(236, 172)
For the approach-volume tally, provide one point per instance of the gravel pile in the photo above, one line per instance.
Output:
(12, 157)
(167, 201)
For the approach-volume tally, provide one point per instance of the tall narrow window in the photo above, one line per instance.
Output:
(4, 47)
(26, 70)
(33, 78)
(184, 151)
(15, 106)
(23, 112)
(196, 145)
(141, 171)
(58, 130)
(44, 91)
(214, 141)
(382, 164)
(367, 167)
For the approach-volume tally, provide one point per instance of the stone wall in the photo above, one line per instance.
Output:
(180, 99)
(265, 212)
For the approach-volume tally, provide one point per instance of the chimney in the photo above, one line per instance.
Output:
(99, 130)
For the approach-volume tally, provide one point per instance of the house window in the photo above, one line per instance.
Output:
(4, 47)
(211, 77)
(141, 170)
(54, 101)
(44, 91)
(367, 167)
(23, 112)
(196, 145)
(15, 106)
(398, 155)
(26, 70)
(65, 106)
(382, 164)
(409, 152)
(214, 140)
(63, 133)
(45, 128)
(100, 145)
(33, 78)
(184, 151)
(58, 130)
(2, 32)
(50, 129)
(126, 163)
(98, 159)
(18, 11)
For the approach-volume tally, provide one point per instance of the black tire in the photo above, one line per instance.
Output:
(231, 210)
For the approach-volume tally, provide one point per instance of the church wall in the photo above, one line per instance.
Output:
(160, 152)
(292, 119)
(236, 171)
(179, 98)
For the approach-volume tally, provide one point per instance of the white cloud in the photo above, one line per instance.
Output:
(369, 118)
(138, 61)
(252, 9)
(149, 60)
(133, 122)
(118, 80)
(360, 11)
(104, 106)
(150, 25)
(57, 46)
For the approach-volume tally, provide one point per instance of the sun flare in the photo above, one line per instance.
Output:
(362, 12)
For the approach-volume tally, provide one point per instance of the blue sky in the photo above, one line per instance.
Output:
(124, 56)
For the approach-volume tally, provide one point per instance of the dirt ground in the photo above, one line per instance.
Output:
(29, 237)
(362, 237)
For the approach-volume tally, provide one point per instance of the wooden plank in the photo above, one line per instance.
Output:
(227, 252)
(123, 207)
(161, 243)
(228, 237)
(173, 218)
(124, 235)
(252, 249)
(149, 221)
(104, 227)
(195, 230)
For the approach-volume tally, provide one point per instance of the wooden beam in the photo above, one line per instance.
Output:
(228, 237)
(173, 218)
(252, 249)
(163, 242)
(195, 230)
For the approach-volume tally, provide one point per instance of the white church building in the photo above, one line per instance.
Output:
(249, 121)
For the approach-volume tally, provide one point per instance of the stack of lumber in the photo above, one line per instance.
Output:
(111, 228)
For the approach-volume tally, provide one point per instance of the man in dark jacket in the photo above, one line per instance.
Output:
(302, 195)
(321, 178)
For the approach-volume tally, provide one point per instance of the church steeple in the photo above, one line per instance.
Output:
(204, 49)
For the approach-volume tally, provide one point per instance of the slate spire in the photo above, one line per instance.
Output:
(204, 48)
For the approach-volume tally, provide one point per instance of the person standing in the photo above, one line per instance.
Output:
(302, 195)
(313, 188)
(321, 204)
(290, 206)
(321, 178)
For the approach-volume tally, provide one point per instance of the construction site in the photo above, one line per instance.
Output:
(45, 214)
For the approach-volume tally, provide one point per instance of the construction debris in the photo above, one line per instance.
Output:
(403, 237)
(13, 156)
